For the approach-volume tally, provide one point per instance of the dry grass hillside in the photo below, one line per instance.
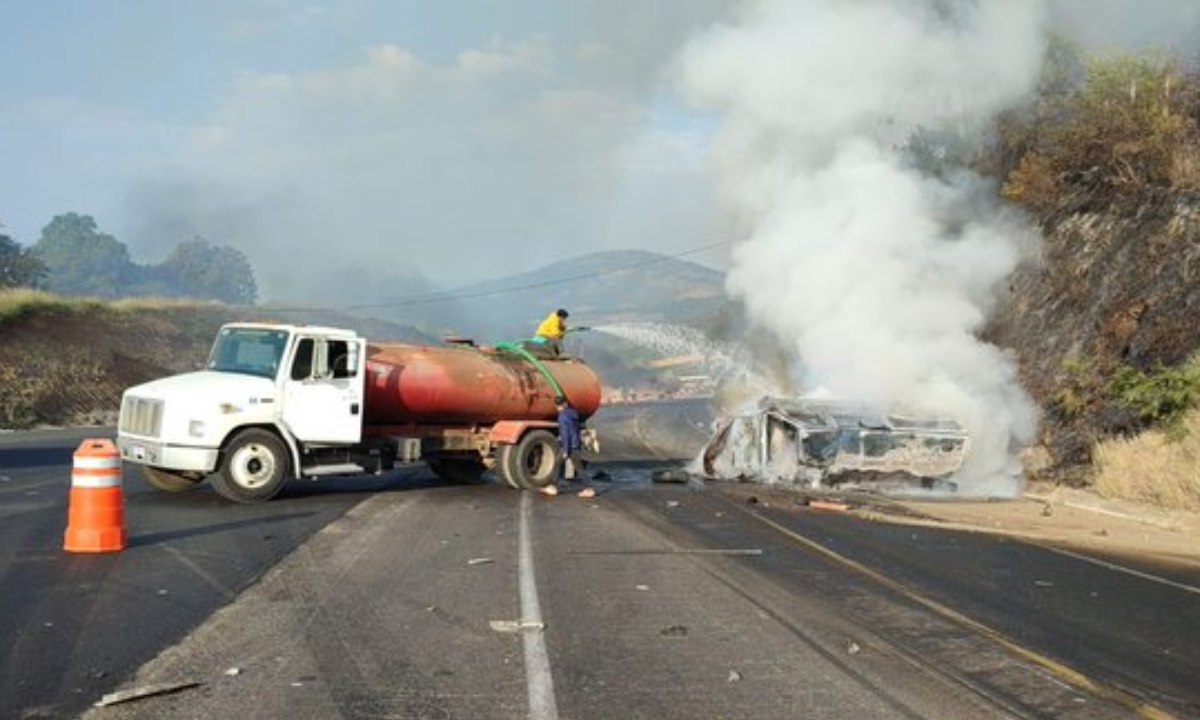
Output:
(67, 361)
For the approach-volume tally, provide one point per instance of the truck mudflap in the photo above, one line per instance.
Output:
(821, 443)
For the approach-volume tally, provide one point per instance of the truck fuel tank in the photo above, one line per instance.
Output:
(465, 384)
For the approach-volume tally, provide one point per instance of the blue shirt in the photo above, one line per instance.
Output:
(568, 430)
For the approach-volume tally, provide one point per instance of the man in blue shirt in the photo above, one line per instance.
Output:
(570, 439)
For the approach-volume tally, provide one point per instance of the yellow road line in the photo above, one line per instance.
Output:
(1062, 672)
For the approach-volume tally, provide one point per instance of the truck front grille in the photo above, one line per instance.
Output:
(141, 416)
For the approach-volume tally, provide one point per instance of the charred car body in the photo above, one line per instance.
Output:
(820, 443)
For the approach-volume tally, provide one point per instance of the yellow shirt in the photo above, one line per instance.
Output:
(552, 328)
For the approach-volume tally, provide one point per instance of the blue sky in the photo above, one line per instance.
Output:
(369, 144)
(457, 139)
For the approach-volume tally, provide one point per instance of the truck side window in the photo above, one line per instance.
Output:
(302, 366)
(342, 360)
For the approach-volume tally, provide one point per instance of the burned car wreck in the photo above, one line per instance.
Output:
(817, 443)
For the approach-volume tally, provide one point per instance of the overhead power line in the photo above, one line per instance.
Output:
(463, 294)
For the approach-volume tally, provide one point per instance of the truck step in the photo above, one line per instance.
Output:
(342, 469)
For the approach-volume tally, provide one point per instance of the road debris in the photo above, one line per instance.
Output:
(146, 691)
(827, 506)
(641, 588)
(670, 475)
(734, 676)
(515, 626)
(480, 561)
(853, 648)
(674, 631)
(672, 503)
(233, 671)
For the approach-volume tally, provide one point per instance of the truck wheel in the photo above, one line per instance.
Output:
(457, 470)
(254, 467)
(532, 463)
(168, 481)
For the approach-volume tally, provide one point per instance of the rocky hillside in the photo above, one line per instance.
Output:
(1116, 287)
(1105, 320)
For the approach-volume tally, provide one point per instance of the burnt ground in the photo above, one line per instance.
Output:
(1114, 282)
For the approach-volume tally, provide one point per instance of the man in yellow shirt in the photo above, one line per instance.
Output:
(551, 331)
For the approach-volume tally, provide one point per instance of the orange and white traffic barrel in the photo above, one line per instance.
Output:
(96, 518)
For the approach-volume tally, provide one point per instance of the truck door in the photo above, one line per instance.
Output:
(323, 390)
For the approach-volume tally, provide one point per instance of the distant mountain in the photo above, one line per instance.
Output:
(597, 288)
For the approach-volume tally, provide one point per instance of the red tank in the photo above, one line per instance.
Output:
(467, 385)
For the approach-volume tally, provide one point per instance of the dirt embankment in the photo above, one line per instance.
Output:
(66, 361)
(69, 366)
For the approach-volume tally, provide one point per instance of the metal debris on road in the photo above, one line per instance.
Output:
(480, 561)
(146, 691)
(827, 506)
(515, 626)
(670, 475)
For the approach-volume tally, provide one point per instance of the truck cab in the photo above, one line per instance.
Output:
(268, 394)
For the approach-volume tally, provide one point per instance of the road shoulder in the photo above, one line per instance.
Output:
(1061, 516)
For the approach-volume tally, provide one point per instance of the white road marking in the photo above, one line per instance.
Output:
(542, 705)
(1121, 568)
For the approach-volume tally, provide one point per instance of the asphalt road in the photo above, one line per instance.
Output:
(377, 598)
(72, 626)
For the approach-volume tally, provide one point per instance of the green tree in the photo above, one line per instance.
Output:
(19, 267)
(218, 272)
(80, 259)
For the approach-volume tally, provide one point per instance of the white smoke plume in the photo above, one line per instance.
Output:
(877, 274)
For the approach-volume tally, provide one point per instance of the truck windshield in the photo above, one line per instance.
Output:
(250, 351)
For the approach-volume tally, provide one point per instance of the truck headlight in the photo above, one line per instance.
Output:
(196, 428)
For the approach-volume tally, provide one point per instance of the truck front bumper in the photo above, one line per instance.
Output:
(170, 457)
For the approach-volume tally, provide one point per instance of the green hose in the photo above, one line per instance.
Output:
(517, 349)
